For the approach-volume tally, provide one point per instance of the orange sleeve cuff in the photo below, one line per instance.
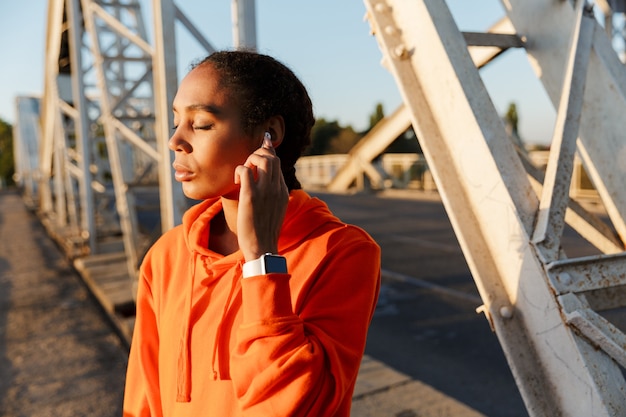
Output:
(266, 298)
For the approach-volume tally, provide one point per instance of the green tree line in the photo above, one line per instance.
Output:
(329, 137)
(7, 167)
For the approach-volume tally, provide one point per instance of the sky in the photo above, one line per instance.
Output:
(327, 43)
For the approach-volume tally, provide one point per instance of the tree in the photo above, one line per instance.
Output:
(405, 143)
(344, 140)
(511, 118)
(377, 116)
(7, 165)
(321, 135)
(328, 137)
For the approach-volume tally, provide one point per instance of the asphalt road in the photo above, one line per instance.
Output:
(427, 327)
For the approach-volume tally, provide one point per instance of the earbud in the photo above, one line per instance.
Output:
(267, 140)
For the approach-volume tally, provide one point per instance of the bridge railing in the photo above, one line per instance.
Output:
(400, 170)
(410, 171)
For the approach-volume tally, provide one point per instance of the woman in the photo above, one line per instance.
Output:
(259, 303)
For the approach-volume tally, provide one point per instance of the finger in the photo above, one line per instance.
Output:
(263, 167)
(244, 176)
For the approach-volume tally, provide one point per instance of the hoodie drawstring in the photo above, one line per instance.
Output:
(183, 381)
(218, 333)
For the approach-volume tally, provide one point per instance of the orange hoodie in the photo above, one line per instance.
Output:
(209, 343)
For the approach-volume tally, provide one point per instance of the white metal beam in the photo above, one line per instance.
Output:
(546, 26)
(556, 185)
(244, 24)
(483, 49)
(492, 207)
(81, 125)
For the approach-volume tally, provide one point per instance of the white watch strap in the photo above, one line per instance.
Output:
(253, 268)
(266, 264)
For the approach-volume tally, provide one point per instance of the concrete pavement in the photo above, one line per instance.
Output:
(59, 355)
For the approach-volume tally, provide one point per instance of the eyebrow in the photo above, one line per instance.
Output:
(202, 107)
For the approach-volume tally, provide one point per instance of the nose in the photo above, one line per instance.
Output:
(178, 143)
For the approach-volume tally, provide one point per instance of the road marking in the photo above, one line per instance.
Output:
(424, 242)
(396, 276)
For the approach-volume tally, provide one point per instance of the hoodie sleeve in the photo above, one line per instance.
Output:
(141, 393)
(305, 364)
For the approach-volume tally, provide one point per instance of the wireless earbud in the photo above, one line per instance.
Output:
(267, 141)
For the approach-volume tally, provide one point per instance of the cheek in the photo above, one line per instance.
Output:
(230, 149)
(241, 150)
(223, 164)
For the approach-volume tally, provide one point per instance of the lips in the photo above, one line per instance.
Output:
(181, 172)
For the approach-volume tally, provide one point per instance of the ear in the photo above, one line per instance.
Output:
(276, 126)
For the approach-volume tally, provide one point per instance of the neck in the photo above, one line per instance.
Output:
(223, 236)
(230, 208)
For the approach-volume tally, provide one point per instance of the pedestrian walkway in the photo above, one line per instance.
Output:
(60, 354)
(384, 392)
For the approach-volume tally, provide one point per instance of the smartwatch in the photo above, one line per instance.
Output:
(266, 264)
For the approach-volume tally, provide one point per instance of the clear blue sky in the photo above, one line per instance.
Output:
(326, 42)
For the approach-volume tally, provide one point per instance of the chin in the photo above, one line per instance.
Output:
(204, 194)
(193, 193)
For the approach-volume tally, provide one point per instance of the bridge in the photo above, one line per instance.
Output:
(102, 183)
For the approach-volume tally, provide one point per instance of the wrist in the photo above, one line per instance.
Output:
(256, 251)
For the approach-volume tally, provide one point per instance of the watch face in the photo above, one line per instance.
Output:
(275, 264)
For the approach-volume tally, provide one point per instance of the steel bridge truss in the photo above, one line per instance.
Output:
(544, 305)
(26, 136)
(106, 178)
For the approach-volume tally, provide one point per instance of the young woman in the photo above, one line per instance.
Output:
(259, 303)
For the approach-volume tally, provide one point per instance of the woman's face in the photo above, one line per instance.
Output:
(209, 141)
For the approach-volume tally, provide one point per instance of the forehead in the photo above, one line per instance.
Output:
(201, 88)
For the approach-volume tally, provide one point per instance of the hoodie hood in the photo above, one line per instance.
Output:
(196, 222)
(305, 210)
(302, 208)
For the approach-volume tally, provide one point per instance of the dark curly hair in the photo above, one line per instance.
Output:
(264, 87)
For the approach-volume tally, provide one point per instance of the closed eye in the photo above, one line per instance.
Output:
(203, 127)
